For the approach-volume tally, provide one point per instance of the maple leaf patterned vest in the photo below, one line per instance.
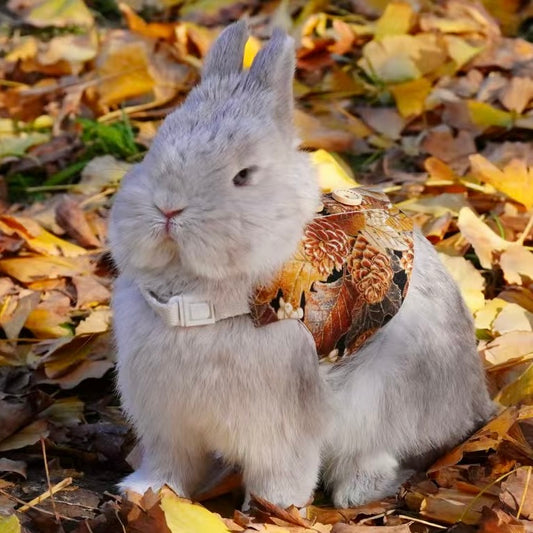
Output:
(349, 275)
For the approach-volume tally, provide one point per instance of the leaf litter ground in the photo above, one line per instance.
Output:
(429, 102)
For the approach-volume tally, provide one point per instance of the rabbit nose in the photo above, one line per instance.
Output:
(171, 213)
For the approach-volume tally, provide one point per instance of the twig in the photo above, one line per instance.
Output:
(522, 501)
(34, 507)
(45, 495)
(420, 521)
(526, 231)
(485, 489)
(50, 488)
(376, 516)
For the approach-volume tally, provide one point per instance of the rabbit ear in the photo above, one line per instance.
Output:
(273, 67)
(225, 55)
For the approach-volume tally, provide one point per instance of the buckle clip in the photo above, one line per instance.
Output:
(187, 311)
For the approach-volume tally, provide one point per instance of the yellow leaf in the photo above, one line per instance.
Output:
(252, 46)
(399, 58)
(331, 175)
(123, 64)
(397, 19)
(484, 115)
(515, 180)
(183, 516)
(520, 390)
(470, 281)
(9, 524)
(411, 96)
(45, 324)
(485, 316)
(480, 236)
(37, 238)
(460, 50)
(60, 13)
(31, 268)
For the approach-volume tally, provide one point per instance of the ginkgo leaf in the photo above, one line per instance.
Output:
(411, 96)
(484, 115)
(515, 179)
(331, 174)
(517, 261)
(396, 20)
(182, 516)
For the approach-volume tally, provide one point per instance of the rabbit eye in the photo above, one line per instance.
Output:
(243, 176)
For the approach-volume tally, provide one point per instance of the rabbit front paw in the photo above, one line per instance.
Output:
(358, 480)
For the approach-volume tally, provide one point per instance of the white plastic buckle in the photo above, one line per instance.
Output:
(187, 311)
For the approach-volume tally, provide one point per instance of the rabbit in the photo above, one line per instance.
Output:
(217, 206)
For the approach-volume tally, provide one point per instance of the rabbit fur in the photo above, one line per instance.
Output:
(256, 395)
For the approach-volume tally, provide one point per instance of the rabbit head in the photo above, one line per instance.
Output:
(223, 190)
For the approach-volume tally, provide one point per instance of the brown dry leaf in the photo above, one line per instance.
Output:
(517, 492)
(90, 292)
(487, 438)
(517, 94)
(71, 218)
(353, 528)
(315, 134)
(26, 436)
(50, 318)
(454, 150)
(8, 465)
(326, 515)
(386, 121)
(156, 30)
(515, 179)
(498, 521)
(15, 310)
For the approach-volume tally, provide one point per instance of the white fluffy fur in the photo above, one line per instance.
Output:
(253, 395)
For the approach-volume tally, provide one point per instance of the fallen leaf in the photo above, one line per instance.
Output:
(397, 19)
(26, 436)
(37, 238)
(519, 391)
(470, 281)
(10, 524)
(182, 516)
(513, 318)
(98, 321)
(517, 94)
(484, 241)
(410, 96)
(59, 13)
(517, 492)
(31, 268)
(515, 179)
(71, 218)
(505, 348)
(332, 174)
(485, 115)
(8, 465)
(517, 262)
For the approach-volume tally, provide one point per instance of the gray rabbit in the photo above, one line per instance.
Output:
(216, 207)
